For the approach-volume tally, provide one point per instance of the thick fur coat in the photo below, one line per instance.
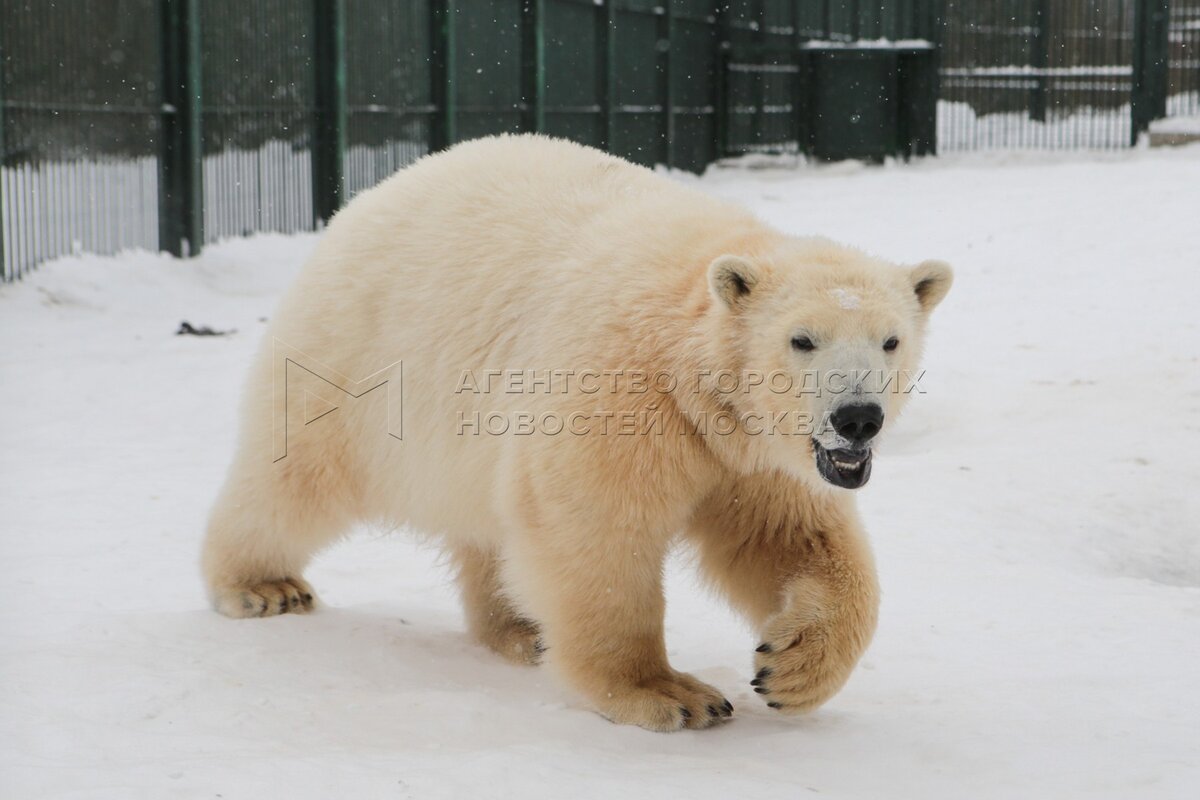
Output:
(390, 370)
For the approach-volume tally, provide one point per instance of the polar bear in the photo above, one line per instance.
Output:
(558, 364)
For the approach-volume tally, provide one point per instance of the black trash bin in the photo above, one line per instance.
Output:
(830, 100)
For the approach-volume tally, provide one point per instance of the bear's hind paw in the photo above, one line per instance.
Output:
(519, 641)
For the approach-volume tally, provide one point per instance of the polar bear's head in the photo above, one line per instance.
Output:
(826, 342)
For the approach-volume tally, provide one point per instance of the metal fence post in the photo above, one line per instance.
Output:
(442, 91)
(181, 158)
(5, 273)
(533, 65)
(760, 89)
(720, 80)
(1148, 99)
(665, 89)
(329, 126)
(1039, 59)
(606, 71)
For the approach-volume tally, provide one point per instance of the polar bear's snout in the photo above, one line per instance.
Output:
(846, 460)
(858, 423)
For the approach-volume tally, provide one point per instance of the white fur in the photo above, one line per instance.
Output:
(541, 256)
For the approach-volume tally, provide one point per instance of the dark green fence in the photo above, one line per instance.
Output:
(172, 123)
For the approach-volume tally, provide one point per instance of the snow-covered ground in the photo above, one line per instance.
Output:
(1035, 516)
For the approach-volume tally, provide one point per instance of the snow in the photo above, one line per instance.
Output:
(846, 299)
(1030, 70)
(1034, 515)
(960, 128)
(1185, 124)
(867, 44)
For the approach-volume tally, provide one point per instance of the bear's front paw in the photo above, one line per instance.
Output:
(669, 703)
(265, 598)
(800, 664)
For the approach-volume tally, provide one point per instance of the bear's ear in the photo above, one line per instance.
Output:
(731, 279)
(930, 281)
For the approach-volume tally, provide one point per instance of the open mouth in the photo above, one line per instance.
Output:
(848, 469)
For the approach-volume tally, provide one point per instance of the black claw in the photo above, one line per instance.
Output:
(764, 672)
(775, 705)
(761, 690)
(728, 707)
(712, 711)
(756, 682)
(763, 648)
(685, 713)
(283, 605)
(308, 598)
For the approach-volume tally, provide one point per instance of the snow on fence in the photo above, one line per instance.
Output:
(1183, 59)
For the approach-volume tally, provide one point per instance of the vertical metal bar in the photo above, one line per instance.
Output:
(437, 75)
(606, 71)
(931, 26)
(1039, 59)
(1159, 78)
(181, 179)
(329, 142)
(533, 65)
(759, 87)
(666, 91)
(1149, 89)
(443, 90)
(6, 273)
(194, 131)
(720, 80)
(798, 80)
(800, 100)
(451, 72)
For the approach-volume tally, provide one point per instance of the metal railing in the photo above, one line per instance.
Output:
(1065, 74)
(173, 123)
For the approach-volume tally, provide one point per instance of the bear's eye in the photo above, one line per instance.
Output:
(803, 343)
(891, 344)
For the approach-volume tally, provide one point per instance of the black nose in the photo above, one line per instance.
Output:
(859, 423)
